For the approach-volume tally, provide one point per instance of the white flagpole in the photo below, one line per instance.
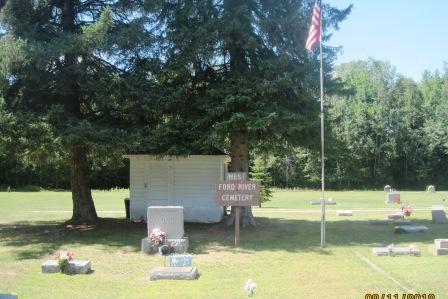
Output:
(322, 198)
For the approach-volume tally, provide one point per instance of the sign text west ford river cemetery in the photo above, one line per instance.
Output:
(237, 191)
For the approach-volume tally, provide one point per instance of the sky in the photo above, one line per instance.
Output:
(411, 34)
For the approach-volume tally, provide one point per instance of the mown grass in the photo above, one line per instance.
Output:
(281, 254)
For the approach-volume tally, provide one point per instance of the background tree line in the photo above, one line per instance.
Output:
(382, 128)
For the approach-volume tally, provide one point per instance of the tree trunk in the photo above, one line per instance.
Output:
(239, 154)
(83, 206)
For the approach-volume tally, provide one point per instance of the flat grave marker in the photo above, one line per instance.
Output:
(174, 273)
(74, 267)
(395, 216)
(396, 251)
(404, 229)
(318, 202)
(344, 213)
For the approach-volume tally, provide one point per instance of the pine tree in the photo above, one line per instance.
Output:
(64, 65)
(242, 74)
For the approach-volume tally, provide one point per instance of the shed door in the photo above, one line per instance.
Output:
(160, 183)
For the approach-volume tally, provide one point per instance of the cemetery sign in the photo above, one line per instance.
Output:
(237, 191)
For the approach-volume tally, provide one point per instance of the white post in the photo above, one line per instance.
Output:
(322, 198)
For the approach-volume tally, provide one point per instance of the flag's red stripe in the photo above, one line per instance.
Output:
(314, 34)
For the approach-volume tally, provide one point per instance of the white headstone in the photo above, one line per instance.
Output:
(441, 246)
(431, 189)
(441, 243)
(387, 188)
(169, 219)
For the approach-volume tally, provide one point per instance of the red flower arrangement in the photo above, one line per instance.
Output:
(157, 236)
(63, 258)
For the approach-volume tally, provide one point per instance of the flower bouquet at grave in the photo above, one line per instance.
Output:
(407, 211)
(157, 237)
(63, 258)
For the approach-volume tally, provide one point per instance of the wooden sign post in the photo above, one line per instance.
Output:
(237, 225)
(237, 191)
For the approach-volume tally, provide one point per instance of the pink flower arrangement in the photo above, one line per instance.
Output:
(63, 258)
(406, 211)
(157, 236)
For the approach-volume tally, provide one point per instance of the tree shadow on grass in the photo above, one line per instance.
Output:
(34, 240)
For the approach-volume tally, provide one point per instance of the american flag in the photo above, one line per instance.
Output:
(314, 34)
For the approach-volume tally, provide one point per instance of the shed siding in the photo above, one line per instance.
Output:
(159, 183)
(188, 182)
(137, 188)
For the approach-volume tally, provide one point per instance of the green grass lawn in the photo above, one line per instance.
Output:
(281, 254)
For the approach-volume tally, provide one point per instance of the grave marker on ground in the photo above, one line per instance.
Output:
(174, 273)
(396, 251)
(431, 189)
(344, 213)
(405, 229)
(74, 267)
(327, 202)
(395, 216)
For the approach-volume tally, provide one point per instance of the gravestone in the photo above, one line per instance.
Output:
(431, 189)
(8, 296)
(380, 251)
(438, 214)
(396, 251)
(393, 197)
(174, 273)
(169, 219)
(441, 246)
(180, 260)
(327, 202)
(344, 213)
(387, 188)
(405, 229)
(395, 216)
(74, 267)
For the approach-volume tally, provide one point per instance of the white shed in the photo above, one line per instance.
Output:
(177, 181)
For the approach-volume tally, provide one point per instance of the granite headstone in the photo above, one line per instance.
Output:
(169, 219)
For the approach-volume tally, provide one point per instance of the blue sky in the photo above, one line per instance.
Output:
(411, 34)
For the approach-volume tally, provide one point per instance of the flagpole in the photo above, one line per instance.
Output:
(322, 198)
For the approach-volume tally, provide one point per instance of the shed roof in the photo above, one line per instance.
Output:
(214, 151)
